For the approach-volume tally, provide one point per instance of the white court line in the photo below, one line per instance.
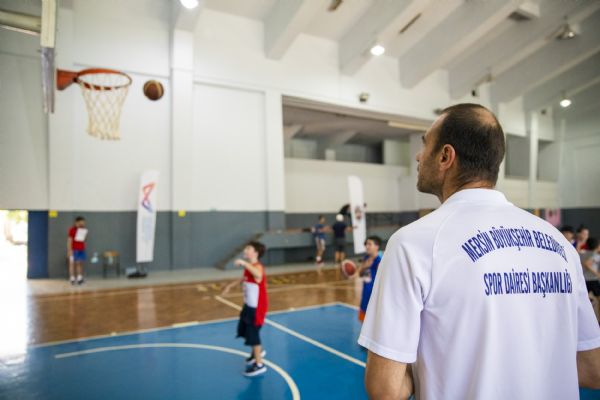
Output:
(288, 379)
(341, 303)
(299, 335)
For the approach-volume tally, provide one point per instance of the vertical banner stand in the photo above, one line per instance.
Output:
(146, 220)
(358, 213)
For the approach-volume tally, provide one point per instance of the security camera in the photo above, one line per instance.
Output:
(363, 97)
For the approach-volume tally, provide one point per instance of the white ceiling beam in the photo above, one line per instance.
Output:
(523, 39)
(572, 82)
(289, 131)
(185, 19)
(431, 14)
(285, 21)
(333, 140)
(551, 60)
(382, 17)
(453, 35)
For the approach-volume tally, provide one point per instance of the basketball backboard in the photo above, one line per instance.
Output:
(26, 21)
(47, 43)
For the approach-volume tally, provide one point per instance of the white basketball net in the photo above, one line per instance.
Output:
(104, 94)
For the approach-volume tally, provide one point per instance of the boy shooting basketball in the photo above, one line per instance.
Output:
(255, 307)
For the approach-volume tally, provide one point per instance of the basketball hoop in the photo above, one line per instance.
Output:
(104, 91)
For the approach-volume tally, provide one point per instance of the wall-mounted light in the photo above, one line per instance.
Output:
(566, 32)
(377, 50)
(565, 101)
(189, 4)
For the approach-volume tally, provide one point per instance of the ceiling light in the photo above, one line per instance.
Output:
(189, 4)
(566, 32)
(565, 101)
(377, 50)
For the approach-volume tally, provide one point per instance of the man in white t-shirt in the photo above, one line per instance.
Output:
(487, 300)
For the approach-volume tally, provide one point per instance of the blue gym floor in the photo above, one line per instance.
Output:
(311, 354)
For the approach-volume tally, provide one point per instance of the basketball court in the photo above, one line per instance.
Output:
(181, 130)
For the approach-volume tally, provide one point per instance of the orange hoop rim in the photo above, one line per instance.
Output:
(65, 78)
(93, 71)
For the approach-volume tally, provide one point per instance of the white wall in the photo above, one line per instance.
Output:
(512, 117)
(515, 190)
(235, 133)
(229, 149)
(579, 175)
(229, 49)
(322, 186)
(23, 131)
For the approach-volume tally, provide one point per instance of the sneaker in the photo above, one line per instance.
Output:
(73, 281)
(255, 369)
(250, 360)
(80, 281)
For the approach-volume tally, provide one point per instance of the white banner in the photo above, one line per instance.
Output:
(358, 213)
(146, 216)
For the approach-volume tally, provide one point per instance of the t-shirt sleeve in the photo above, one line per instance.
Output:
(588, 331)
(393, 322)
(71, 233)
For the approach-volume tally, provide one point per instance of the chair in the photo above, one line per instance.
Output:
(111, 259)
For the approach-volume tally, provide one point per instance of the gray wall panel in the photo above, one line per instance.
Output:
(590, 217)
(107, 231)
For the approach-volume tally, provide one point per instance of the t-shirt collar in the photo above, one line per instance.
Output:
(477, 195)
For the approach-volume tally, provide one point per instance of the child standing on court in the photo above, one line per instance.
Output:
(76, 250)
(368, 271)
(318, 232)
(255, 307)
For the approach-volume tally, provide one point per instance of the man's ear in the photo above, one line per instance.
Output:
(447, 157)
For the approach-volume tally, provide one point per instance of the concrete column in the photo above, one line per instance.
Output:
(182, 140)
(275, 160)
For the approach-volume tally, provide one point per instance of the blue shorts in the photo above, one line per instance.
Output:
(78, 255)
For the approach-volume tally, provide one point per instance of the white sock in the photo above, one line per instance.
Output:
(72, 278)
(79, 277)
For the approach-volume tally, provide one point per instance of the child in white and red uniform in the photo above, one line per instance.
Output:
(256, 303)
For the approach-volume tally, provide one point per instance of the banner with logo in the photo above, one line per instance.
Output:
(146, 216)
(358, 213)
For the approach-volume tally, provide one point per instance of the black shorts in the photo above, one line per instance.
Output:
(340, 244)
(246, 327)
(593, 286)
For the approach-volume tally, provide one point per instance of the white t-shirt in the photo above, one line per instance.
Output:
(489, 300)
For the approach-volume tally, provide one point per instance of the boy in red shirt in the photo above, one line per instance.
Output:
(76, 250)
(256, 303)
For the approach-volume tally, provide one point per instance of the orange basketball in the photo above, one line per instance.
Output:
(348, 268)
(153, 90)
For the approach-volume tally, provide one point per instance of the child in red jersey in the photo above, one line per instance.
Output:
(256, 303)
(76, 250)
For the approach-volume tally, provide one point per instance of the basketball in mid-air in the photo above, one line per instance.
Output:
(153, 90)
(348, 268)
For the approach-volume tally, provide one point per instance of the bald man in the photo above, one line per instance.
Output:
(485, 300)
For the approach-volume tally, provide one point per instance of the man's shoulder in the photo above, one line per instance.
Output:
(426, 226)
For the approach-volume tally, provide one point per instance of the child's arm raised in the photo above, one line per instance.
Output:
(256, 272)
